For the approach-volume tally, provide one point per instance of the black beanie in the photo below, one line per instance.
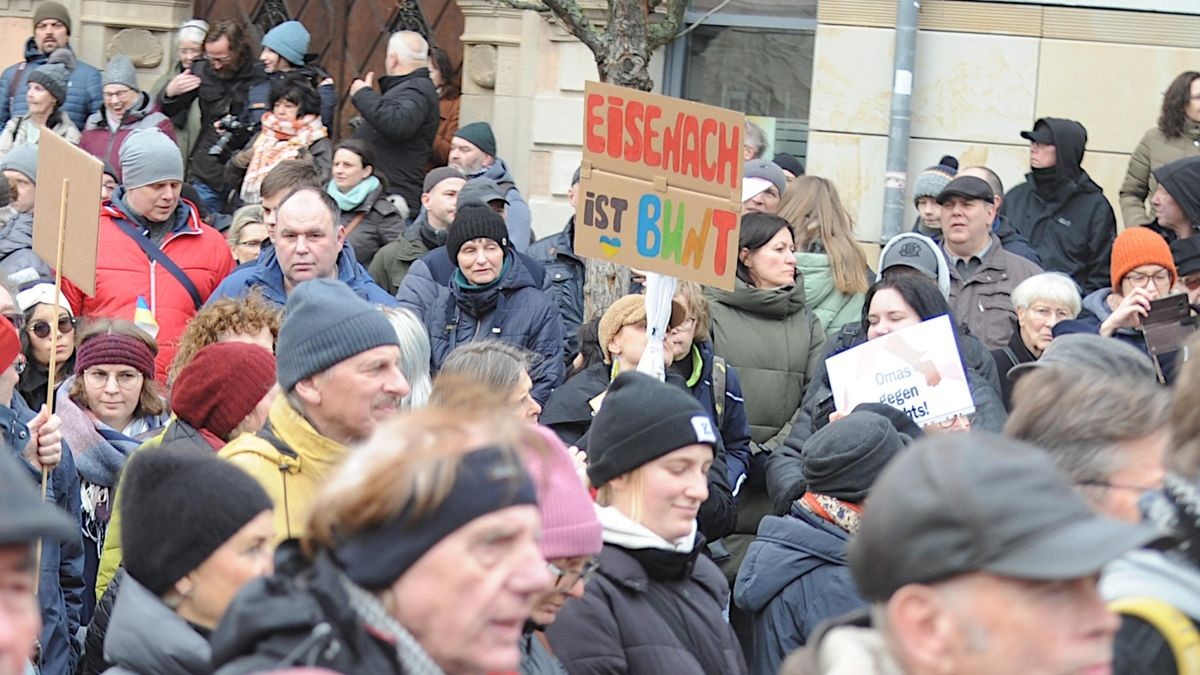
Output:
(640, 420)
(473, 221)
(178, 506)
(844, 458)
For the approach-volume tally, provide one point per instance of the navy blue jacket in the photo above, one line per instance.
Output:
(84, 95)
(519, 314)
(565, 273)
(267, 276)
(735, 429)
(795, 575)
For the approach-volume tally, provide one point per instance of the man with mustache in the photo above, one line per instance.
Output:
(51, 30)
(339, 377)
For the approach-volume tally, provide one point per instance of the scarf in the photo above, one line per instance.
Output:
(348, 201)
(413, 659)
(278, 140)
(1046, 182)
(846, 515)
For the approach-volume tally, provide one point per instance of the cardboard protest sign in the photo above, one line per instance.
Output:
(59, 164)
(916, 369)
(660, 184)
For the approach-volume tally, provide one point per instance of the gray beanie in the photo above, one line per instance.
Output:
(325, 324)
(149, 156)
(23, 159)
(120, 71)
(55, 73)
(843, 458)
(933, 180)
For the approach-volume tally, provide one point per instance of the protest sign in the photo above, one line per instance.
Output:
(660, 184)
(67, 209)
(915, 369)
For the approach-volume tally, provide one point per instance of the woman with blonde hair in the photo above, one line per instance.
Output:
(834, 268)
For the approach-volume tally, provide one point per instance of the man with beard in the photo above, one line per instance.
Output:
(339, 378)
(51, 30)
(222, 80)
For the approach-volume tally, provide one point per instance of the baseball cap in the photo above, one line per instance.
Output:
(966, 186)
(760, 174)
(979, 502)
(1041, 133)
(1089, 350)
(483, 190)
(917, 252)
(24, 517)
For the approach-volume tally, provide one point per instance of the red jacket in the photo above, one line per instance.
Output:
(123, 272)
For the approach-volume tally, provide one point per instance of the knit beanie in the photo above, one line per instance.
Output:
(933, 180)
(438, 175)
(570, 527)
(120, 71)
(10, 344)
(221, 386)
(55, 73)
(474, 221)
(788, 162)
(478, 134)
(325, 324)
(640, 420)
(1137, 246)
(289, 40)
(843, 458)
(178, 506)
(115, 349)
(1180, 179)
(24, 160)
(52, 10)
(148, 156)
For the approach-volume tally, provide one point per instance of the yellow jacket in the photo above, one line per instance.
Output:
(290, 474)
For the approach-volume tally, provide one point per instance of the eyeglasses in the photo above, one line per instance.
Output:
(17, 319)
(221, 60)
(254, 243)
(117, 95)
(1160, 278)
(66, 324)
(189, 51)
(685, 325)
(1115, 486)
(126, 379)
(956, 420)
(1191, 282)
(568, 578)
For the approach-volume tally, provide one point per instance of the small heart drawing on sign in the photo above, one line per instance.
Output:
(609, 246)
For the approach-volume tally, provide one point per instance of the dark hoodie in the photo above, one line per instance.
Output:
(1181, 180)
(1063, 212)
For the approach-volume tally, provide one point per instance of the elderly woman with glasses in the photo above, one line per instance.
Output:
(1041, 303)
(49, 327)
(247, 234)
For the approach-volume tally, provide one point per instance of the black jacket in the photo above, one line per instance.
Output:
(379, 226)
(401, 123)
(218, 97)
(1069, 223)
(1006, 359)
(565, 273)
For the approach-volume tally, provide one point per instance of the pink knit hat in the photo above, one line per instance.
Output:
(570, 527)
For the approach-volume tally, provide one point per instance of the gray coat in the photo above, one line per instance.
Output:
(145, 637)
(983, 301)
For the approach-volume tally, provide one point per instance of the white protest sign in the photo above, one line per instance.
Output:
(916, 369)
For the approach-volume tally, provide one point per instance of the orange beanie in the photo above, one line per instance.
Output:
(1137, 246)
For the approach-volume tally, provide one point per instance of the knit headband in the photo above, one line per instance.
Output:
(486, 481)
(113, 348)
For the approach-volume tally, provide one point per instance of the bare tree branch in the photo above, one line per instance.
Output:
(577, 23)
(521, 4)
(666, 30)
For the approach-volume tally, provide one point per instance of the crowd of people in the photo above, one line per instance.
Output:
(332, 408)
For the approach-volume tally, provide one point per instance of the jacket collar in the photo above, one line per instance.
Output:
(299, 434)
(388, 81)
(187, 218)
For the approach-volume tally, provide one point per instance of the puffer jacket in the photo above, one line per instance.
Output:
(124, 273)
(290, 459)
(1074, 229)
(145, 637)
(735, 431)
(832, 307)
(795, 576)
(16, 248)
(516, 215)
(513, 310)
(983, 301)
(103, 143)
(84, 93)
(380, 225)
(565, 272)
(1153, 151)
(392, 262)
(400, 123)
(266, 276)
(93, 662)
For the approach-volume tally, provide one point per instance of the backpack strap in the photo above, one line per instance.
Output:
(13, 84)
(718, 382)
(1175, 627)
(358, 218)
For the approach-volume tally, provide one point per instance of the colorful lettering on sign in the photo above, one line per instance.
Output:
(663, 231)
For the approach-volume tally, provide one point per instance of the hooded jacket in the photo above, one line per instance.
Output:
(1072, 229)
(400, 123)
(291, 467)
(848, 645)
(104, 143)
(84, 93)
(514, 310)
(392, 262)
(943, 270)
(1182, 181)
(16, 248)
(380, 225)
(1153, 151)
(832, 307)
(565, 272)
(146, 637)
(516, 215)
(795, 576)
(266, 276)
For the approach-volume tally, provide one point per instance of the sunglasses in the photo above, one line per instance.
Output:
(66, 324)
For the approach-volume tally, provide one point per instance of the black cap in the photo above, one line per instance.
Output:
(1041, 133)
(966, 186)
(24, 517)
(482, 190)
(960, 503)
(1186, 253)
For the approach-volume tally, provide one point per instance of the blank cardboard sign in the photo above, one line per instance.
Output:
(62, 164)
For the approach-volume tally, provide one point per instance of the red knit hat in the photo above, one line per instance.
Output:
(1137, 246)
(10, 344)
(221, 385)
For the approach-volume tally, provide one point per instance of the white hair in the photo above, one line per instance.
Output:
(409, 46)
(1054, 288)
(192, 32)
(414, 355)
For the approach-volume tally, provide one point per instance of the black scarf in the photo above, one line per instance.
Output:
(1047, 182)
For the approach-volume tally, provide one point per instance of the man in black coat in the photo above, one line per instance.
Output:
(1060, 209)
(401, 120)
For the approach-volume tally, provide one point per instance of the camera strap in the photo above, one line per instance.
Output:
(155, 254)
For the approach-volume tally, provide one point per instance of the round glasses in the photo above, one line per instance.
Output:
(66, 324)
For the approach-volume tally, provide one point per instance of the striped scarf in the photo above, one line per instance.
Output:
(278, 140)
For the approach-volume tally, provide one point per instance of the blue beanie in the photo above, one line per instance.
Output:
(325, 324)
(289, 40)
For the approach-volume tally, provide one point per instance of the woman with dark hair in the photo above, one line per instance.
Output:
(370, 218)
(46, 313)
(1177, 136)
(291, 129)
(441, 71)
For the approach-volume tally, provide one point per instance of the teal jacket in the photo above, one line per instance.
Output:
(832, 307)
